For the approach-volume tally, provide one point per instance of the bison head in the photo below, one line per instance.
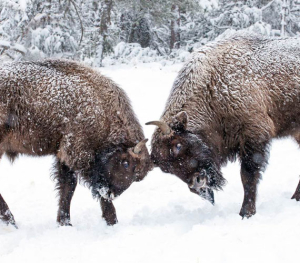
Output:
(188, 155)
(117, 167)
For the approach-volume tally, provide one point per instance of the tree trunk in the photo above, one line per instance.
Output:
(175, 24)
(284, 16)
(104, 46)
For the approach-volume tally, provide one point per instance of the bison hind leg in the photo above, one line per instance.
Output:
(5, 215)
(296, 195)
(66, 182)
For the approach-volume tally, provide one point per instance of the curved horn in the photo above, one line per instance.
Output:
(138, 148)
(166, 130)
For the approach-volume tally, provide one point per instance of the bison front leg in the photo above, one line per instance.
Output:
(108, 211)
(252, 163)
(66, 184)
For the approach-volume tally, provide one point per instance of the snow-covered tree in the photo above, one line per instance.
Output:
(13, 20)
(90, 30)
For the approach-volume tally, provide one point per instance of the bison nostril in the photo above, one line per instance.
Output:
(199, 180)
(203, 173)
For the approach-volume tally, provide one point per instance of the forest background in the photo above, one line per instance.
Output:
(108, 32)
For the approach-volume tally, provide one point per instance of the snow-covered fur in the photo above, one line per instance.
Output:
(229, 100)
(63, 108)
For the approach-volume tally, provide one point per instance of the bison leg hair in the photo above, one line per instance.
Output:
(253, 161)
(66, 184)
(108, 211)
(5, 215)
(296, 195)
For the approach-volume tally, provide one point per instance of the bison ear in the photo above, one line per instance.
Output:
(180, 121)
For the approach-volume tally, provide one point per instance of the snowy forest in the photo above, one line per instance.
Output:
(141, 45)
(106, 32)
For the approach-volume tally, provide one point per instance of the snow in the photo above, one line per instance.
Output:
(208, 4)
(4, 43)
(133, 54)
(159, 219)
(23, 4)
(17, 47)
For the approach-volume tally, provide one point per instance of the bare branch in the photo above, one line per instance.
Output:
(5, 45)
(81, 25)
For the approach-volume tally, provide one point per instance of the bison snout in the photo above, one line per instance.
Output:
(200, 186)
(199, 181)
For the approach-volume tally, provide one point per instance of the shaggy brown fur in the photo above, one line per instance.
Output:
(230, 100)
(65, 109)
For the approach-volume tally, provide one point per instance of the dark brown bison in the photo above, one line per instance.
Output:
(63, 108)
(230, 100)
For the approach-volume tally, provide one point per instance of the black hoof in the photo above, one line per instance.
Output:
(65, 222)
(296, 196)
(9, 219)
(297, 193)
(247, 213)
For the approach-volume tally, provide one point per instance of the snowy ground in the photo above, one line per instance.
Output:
(159, 219)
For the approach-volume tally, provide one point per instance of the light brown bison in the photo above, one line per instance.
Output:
(63, 108)
(230, 100)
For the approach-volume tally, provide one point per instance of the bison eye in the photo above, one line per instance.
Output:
(125, 164)
(176, 149)
(178, 146)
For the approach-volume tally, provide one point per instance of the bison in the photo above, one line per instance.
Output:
(229, 101)
(65, 109)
